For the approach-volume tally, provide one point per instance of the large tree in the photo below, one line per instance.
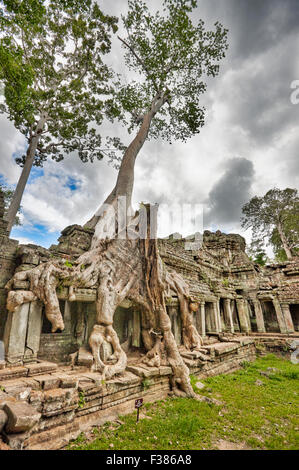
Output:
(56, 85)
(7, 196)
(291, 230)
(172, 55)
(274, 217)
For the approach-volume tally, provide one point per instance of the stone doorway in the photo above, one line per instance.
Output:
(270, 317)
(127, 324)
(210, 318)
(235, 316)
(252, 316)
(294, 310)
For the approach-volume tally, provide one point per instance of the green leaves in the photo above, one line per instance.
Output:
(51, 63)
(171, 54)
(277, 211)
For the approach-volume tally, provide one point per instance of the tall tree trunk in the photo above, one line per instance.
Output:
(284, 241)
(19, 191)
(125, 180)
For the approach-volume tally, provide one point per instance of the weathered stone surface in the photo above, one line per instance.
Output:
(5, 398)
(16, 389)
(40, 368)
(15, 441)
(3, 419)
(200, 385)
(138, 371)
(85, 358)
(12, 372)
(4, 446)
(21, 417)
(165, 370)
(68, 382)
(15, 333)
(33, 331)
(47, 382)
(36, 400)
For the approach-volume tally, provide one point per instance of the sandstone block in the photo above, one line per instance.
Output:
(3, 420)
(40, 368)
(21, 417)
(47, 382)
(85, 358)
(4, 398)
(68, 382)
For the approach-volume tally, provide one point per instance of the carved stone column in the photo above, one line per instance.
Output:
(67, 317)
(242, 315)
(228, 314)
(247, 312)
(34, 329)
(202, 319)
(219, 316)
(280, 317)
(259, 316)
(15, 334)
(287, 317)
(216, 318)
(136, 329)
(175, 324)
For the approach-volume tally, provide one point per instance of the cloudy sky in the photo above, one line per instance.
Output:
(249, 143)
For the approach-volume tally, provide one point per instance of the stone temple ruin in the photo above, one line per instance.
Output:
(48, 393)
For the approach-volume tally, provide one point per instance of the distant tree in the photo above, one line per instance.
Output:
(171, 58)
(171, 55)
(56, 86)
(257, 253)
(8, 195)
(291, 229)
(274, 218)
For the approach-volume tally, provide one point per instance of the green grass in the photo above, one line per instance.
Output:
(261, 417)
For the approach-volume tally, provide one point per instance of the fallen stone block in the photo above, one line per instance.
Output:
(15, 441)
(17, 389)
(13, 372)
(85, 358)
(40, 368)
(47, 382)
(200, 385)
(3, 420)
(4, 446)
(68, 382)
(36, 400)
(4, 398)
(165, 370)
(21, 417)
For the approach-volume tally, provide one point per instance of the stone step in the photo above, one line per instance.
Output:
(28, 370)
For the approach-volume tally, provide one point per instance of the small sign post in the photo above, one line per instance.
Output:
(138, 404)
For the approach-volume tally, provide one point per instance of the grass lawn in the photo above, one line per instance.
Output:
(258, 412)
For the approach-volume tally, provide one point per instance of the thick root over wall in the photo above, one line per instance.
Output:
(119, 269)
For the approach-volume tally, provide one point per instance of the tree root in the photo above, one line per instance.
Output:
(119, 269)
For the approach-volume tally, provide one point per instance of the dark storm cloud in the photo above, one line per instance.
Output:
(249, 113)
(230, 193)
(261, 63)
(254, 25)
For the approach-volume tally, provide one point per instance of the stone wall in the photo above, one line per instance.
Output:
(8, 251)
(59, 403)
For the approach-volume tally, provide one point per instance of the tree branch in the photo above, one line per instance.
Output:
(141, 62)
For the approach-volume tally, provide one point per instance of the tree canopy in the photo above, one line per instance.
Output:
(171, 55)
(51, 63)
(8, 195)
(274, 218)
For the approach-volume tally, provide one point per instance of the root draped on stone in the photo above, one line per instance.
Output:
(119, 269)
